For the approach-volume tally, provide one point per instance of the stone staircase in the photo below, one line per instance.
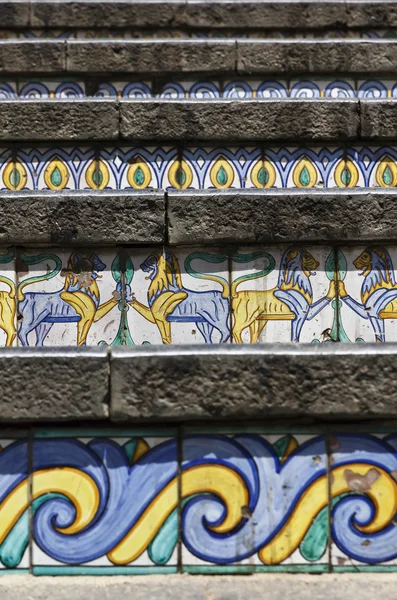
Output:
(197, 287)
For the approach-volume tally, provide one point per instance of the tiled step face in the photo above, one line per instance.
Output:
(267, 294)
(201, 89)
(236, 499)
(237, 167)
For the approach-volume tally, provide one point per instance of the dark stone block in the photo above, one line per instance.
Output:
(32, 56)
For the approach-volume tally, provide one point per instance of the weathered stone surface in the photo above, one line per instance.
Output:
(266, 14)
(119, 13)
(53, 384)
(379, 119)
(152, 57)
(319, 56)
(265, 216)
(100, 218)
(264, 586)
(371, 14)
(246, 120)
(36, 120)
(252, 381)
(14, 13)
(32, 56)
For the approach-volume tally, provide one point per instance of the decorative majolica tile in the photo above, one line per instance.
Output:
(254, 502)
(322, 88)
(178, 296)
(373, 166)
(367, 290)
(196, 90)
(8, 90)
(8, 298)
(115, 497)
(14, 503)
(373, 89)
(51, 89)
(9, 177)
(57, 169)
(222, 168)
(70, 297)
(283, 294)
(124, 89)
(293, 167)
(139, 168)
(363, 511)
(254, 88)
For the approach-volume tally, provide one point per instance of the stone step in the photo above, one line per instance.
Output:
(179, 384)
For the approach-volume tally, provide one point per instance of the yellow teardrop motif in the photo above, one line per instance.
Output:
(387, 165)
(222, 174)
(97, 175)
(64, 174)
(304, 170)
(340, 173)
(15, 176)
(144, 172)
(180, 175)
(263, 166)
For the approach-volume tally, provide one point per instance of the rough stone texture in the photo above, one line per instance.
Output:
(379, 119)
(101, 14)
(14, 14)
(87, 218)
(36, 120)
(266, 14)
(246, 120)
(32, 56)
(236, 382)
(52, 384)
(152, 57)
(371, 14)
(319, 56)
(265, 586)
(266, 216)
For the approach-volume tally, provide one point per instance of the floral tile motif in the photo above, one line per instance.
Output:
(254, 502)
(283, 294)
(115, 494)
(222, 168)
(294, 167)
(31, 90)
(178, 296)
(139, 168)
(14, 503)
(56, 169)
(372, 167)
(363, 511)
(367, 292)
(70, 297)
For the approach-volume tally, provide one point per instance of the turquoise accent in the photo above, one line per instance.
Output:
(104, 570)
(161, 548)
(129, 449)
(14, 572)
(304, 177)
(207, 257)
(235, 569)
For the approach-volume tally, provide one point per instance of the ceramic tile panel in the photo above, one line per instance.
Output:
(294, 167)
(70, 297)
(363, 490)
(178, 296)
(9, 175)
(283, 294)
(253, 502)
(322, 88)
(57, 169)
(47, 34)
(65, 88)
(367, 291)
(222, 168)
(8, 299)
(124, 89)
(139, 168)
(106, 502)
(253, 88)
(373, 166)
(196, 90)
(8, 90)
(14, 503)
(374, 89)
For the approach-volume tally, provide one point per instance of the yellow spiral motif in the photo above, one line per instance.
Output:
(97, 175)
(386, 173)
(15, 176)
(383, 493)
(139, 175)
(346, 174)
(217, 479)
(222, 174)
(56, 174)
(180, 175)
(305, 174)
(263, 174)
(76, 485)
